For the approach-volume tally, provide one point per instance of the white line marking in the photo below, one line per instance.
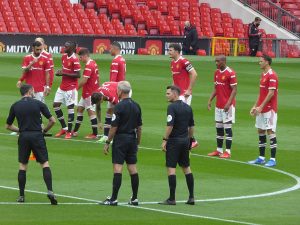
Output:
(293, 188)
(190, 215)
(47, 203)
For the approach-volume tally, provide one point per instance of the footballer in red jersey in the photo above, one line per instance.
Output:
(89, 84)
(225, 88)
(49, 56)
(118, 65)
(36, 69)
(265, 110)
(184, 76)
(67, 91)
(108, 91)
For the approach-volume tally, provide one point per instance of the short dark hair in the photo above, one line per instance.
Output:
(174, 88)
(37, 44)
(176, 47)
(267, 58)
(72, 44)
(257, 19)
(116, 44)
(25, 88)
(84, 51)
(96, 97)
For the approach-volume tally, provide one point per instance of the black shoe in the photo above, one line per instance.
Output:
(190, 201)
(168, 202)
(21, 199)
(108, 201)
(52, 198)
(134, 202)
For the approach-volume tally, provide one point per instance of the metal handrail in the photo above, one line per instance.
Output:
(276, 14)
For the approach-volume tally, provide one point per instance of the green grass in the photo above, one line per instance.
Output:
(80, 169)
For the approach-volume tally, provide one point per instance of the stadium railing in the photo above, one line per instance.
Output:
(277, 14)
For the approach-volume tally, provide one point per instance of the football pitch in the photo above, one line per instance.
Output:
(227, 191)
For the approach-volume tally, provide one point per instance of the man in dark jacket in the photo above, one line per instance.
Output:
(190, 42)
(254, 36)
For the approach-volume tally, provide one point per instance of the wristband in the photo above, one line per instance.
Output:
(107, 142)
(165, 139)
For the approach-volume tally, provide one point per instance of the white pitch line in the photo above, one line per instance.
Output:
(47, 203)
(190, 215)
(293, 188)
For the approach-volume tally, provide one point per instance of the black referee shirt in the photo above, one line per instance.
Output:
(180, 116)
(28, 113)
(127, 117)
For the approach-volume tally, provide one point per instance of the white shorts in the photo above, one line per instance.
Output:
(187, 100)
(86, 103)
(266, 121)
(39, 96)
(110, 105)
(66, 97)
(225, 117)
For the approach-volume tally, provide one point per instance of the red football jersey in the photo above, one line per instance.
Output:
(224, 80)
(118, 69)
(268, 81)
(180, 71)
(110, 90)
(70, 65)
(92, 84)
(36, 75)
(51, 72)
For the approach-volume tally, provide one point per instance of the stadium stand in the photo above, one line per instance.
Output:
(138, 18)
(117, 17)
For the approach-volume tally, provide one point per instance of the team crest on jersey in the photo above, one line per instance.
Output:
(264, 80)
(177, 66)
(41, 63)
(69, 64)
(223, 77)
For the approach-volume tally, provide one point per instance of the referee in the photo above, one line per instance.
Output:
(126, 130)
(28, 113)
(177, 143)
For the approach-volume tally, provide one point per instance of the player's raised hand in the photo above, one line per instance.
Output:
(19, 83)
(106, 149)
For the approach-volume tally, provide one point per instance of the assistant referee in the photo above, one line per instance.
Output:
(28, 113)
(125, 131)
(177, 143)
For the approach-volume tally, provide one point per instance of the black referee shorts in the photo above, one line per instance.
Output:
(124, 148)
(178, 152)
(35, 142)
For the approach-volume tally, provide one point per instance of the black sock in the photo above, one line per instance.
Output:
(94, 124)
(228, 132)
(60, 117)
(117, 181)
(47, 178)
(220, 137)
(107, 124)
(273, 145)
(78, 121)
(172, 186)
(71, 117)
(262, 144)
(134, 185)
(190, 183)
(22, 181)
